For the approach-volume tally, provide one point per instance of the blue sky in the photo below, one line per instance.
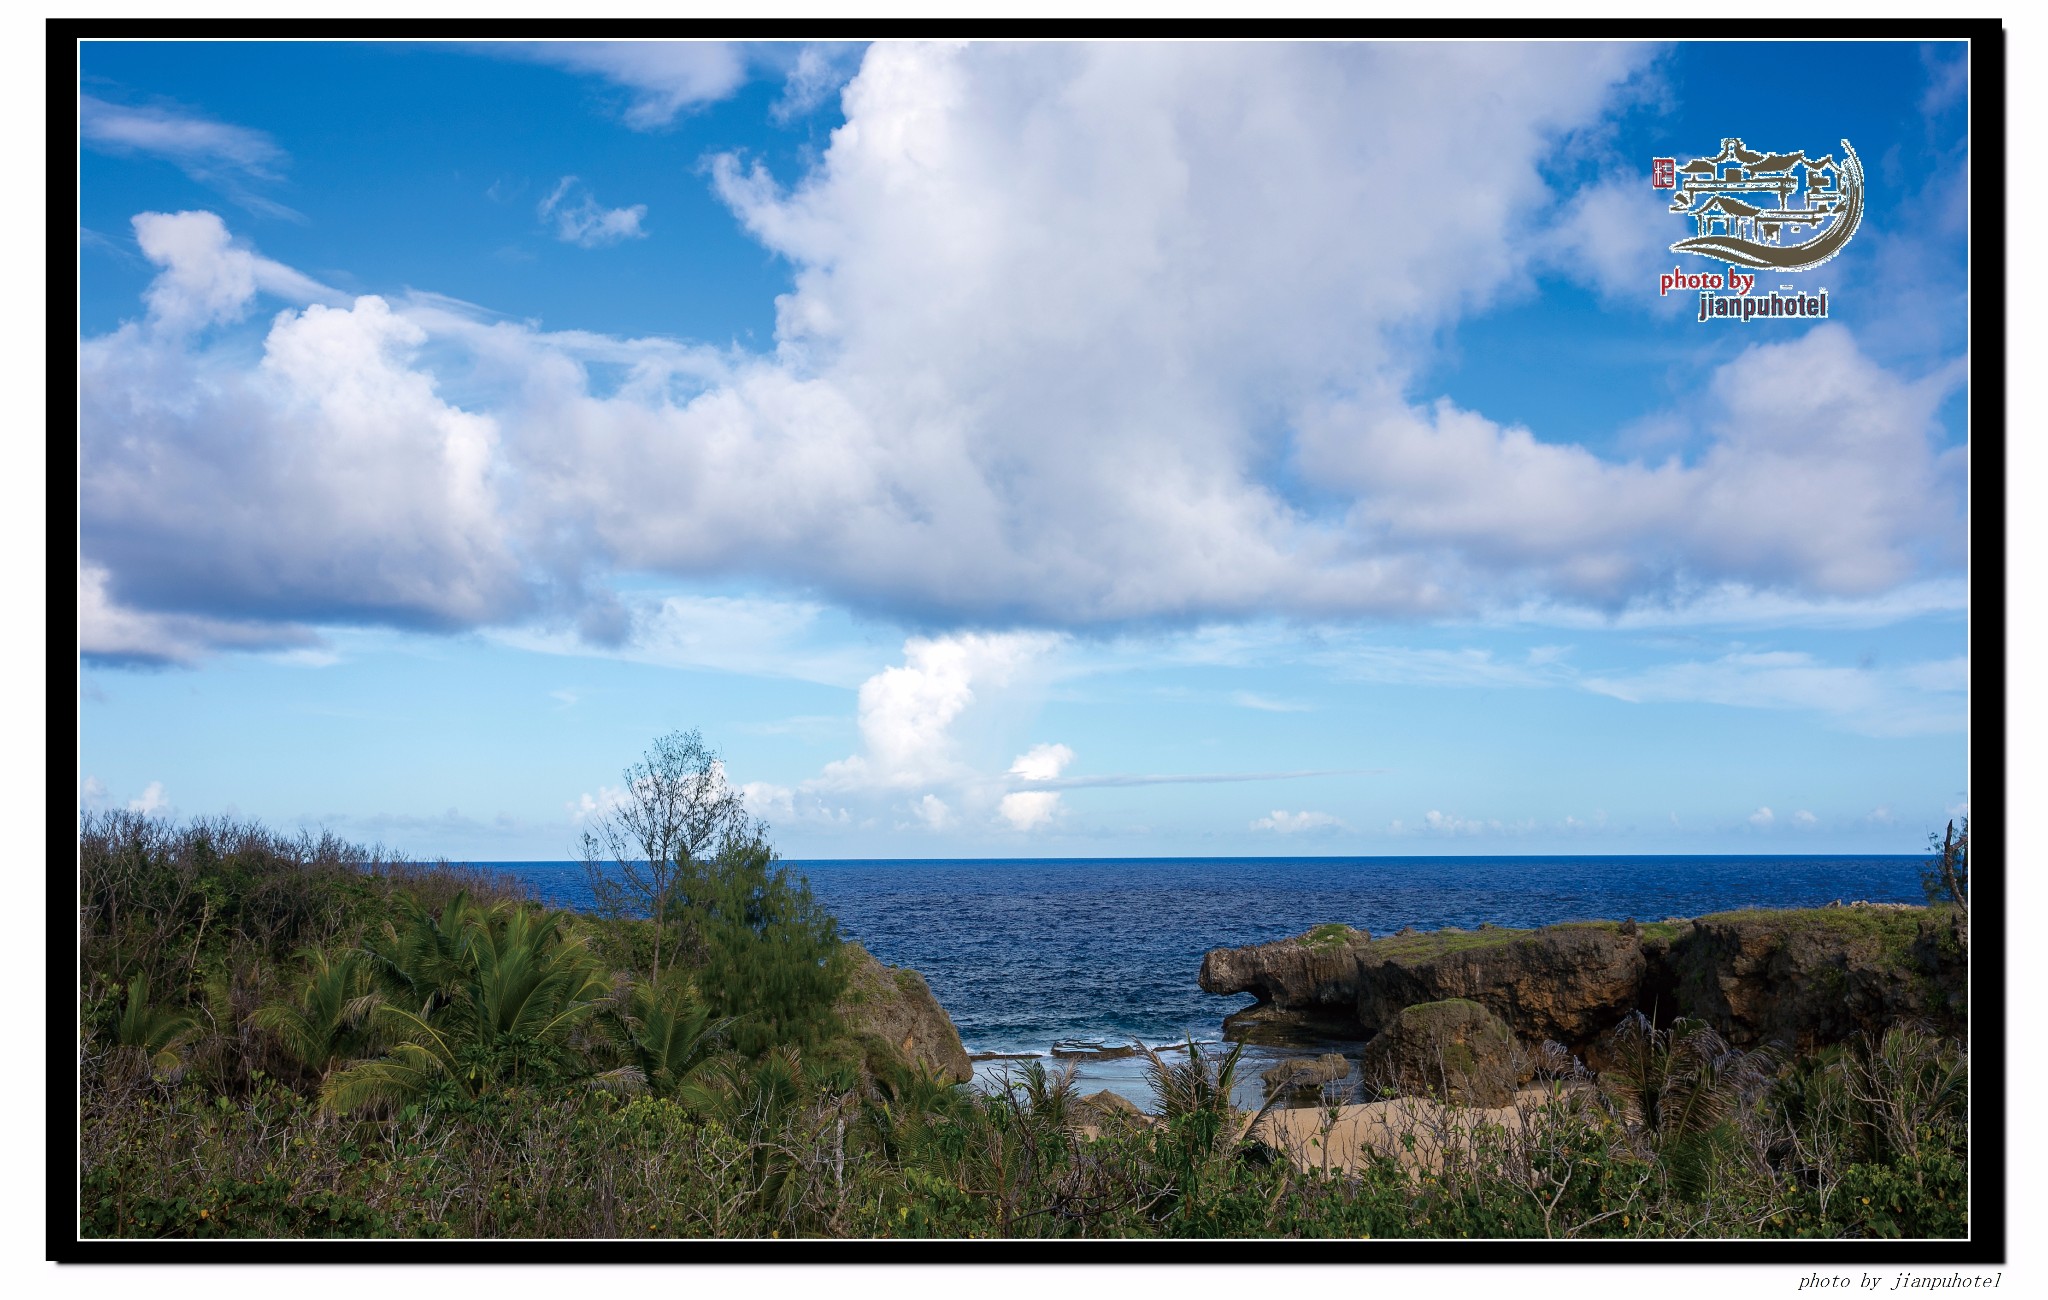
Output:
(1006, 450)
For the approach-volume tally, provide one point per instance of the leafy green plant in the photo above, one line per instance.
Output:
(669, 1034)
(519, 989)
(151, 1038)
(328, 1021)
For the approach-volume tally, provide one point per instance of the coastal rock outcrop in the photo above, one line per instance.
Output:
(1305, 984)
(1806, 978)
(1799, 977)
(1563, 982)
(1454, 1049)
(1566, 982)
(893, 1006)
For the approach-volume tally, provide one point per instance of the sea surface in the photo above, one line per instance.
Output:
(1033, 956)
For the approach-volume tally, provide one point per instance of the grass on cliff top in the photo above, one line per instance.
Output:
(1874, 928)
(1871, 930)
(1332, 935)
(1435, 943)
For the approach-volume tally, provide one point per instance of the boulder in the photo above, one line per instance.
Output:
(1306, 1071)
(1105, 1108)
(1305, 1077)
(1455, 1050)
(893, 1008)
(1566, 982)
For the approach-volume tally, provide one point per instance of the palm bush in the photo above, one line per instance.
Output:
(504, 989)
(329, 1019)
(150, 1039)
(1193, 1086)
(1684, 1080)
(668, 1033)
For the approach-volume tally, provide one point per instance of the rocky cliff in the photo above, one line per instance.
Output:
(1798, 977)
(1818, 976)
(892, 1007)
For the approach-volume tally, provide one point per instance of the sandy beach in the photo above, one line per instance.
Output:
(1317, 1138)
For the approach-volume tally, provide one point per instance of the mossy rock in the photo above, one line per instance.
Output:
(891, 1010)
(1455, 1049)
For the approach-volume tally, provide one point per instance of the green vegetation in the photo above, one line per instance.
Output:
(286, 1037)
(1434, 943)
(1332, 935)
(1883, 934)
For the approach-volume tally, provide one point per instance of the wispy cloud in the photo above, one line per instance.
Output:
(758, 636)
(587, 223)
(1914, 699)
(203, 146)
(1200, 778)
(1293, 823)
(665, 77)
(817, 73)
(1249, 700)
(215, 153)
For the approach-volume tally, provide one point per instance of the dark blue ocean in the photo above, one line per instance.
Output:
(1026, 954)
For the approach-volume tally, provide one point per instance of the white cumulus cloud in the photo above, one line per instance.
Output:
(1042, 762)
(151, 800)
(590, 807)
(327, 482)
(1029, 809)
(907, 712)
(766, 800)
(933, 812)
(1069, 324)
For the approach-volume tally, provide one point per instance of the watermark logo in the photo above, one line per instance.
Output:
(1772, 213)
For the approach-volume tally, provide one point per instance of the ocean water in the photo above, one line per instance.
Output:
(1033, 955)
